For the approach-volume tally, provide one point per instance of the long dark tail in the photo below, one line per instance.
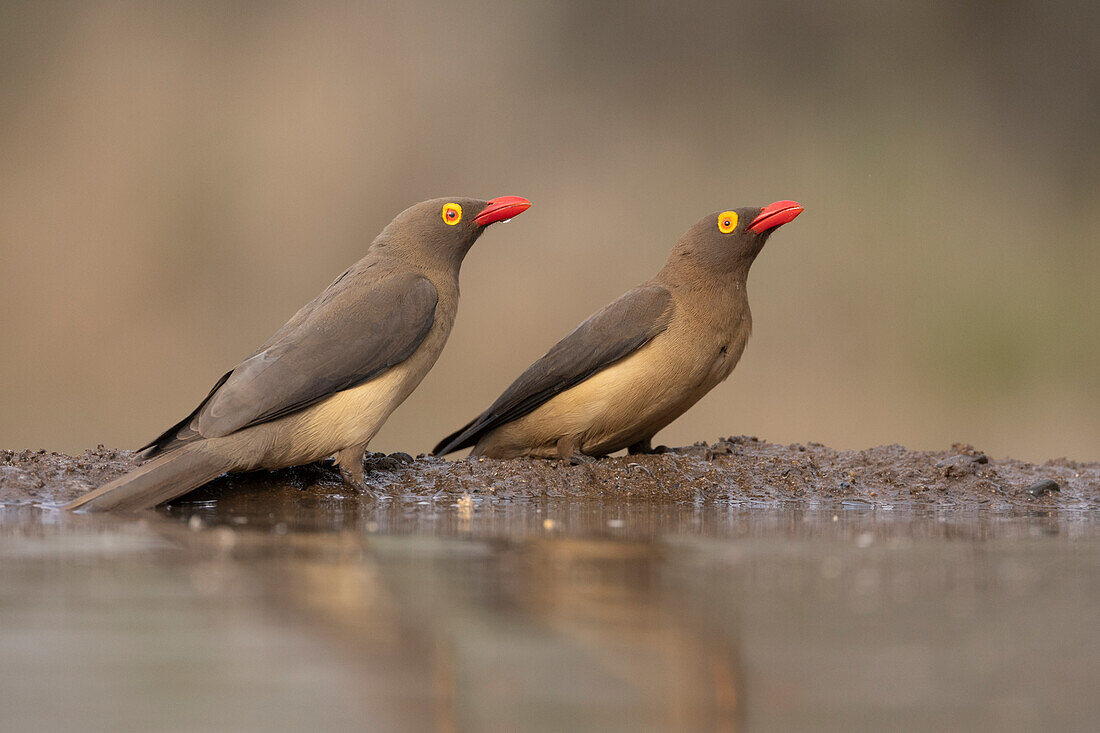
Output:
(160, 479)
(457, 440)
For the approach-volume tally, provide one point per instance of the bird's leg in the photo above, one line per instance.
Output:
(646, 446)
(567, 452)
(350, 462)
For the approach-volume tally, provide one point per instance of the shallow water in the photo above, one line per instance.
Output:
(296, 611)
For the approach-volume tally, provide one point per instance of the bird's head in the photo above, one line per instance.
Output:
(444, 229)
(728, 241)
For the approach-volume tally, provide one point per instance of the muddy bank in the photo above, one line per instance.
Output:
(739, 469)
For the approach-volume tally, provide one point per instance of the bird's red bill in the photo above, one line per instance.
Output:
(774, 215)
(502, 209)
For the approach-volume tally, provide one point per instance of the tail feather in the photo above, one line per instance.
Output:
(158, 480)
(457, 440)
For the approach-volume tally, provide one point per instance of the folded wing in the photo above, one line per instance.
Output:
(367, 321)
(619, 329)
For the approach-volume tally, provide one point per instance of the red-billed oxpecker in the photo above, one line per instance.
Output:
(327, 380)
(642, 361)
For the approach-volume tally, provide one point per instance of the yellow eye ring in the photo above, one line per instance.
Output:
(727, 221)
(452, 213)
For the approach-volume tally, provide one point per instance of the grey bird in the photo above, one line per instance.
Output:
(640, 362)
(327, 380)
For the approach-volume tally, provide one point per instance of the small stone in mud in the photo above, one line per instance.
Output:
(382, 462)
(961, 464)
(1039, 488)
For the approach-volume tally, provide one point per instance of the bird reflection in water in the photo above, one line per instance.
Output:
(453, 628)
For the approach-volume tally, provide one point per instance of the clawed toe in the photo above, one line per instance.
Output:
(350, 462)
(359, 483)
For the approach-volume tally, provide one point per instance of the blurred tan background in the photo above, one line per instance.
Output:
(176, 179)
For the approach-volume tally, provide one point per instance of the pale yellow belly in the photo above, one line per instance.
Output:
(348, 418)
(352, 417)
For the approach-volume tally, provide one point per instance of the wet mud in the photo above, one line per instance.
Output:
(735, 586)
(740, 469)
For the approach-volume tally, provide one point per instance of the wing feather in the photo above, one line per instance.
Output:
(620, 328)
(367, 321)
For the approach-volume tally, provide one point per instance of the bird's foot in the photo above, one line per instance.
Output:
(643, 447)
(567, 452)
(350, 462)
(358, 483)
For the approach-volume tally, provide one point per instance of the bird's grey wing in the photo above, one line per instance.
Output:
(620, 328)
(364, 323)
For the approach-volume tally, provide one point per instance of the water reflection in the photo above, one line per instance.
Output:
(299, 609)
(462, 628)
